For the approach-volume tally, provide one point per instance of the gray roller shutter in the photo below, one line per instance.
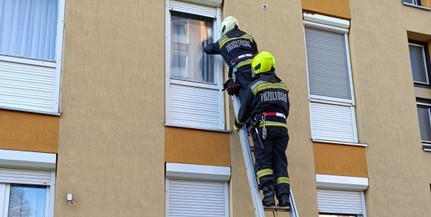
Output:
(327, 64)
(29, 87)
(339, 202)
(187, 198)
(195, 107)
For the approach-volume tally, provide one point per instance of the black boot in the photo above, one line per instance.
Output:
(268, 196)
(283, 200)
(283, 194)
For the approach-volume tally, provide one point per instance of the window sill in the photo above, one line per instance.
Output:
(426, 147)
(194, 128)
(339, 143)
(416, 6)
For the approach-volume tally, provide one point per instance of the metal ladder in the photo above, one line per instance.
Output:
(259, 210)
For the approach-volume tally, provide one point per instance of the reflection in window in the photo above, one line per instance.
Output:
(27, 201)
(189, 34)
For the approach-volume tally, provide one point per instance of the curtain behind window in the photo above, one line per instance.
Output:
(28, 28)
(189, 34)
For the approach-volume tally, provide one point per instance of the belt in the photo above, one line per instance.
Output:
(237, 63)
(242, 56)
(273, 114)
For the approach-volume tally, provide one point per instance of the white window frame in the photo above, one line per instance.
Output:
(189, 175)
(426, 145)
(33, 85)
(22, 167)
(341, 194)
(415, 4)
(207, 112)
(319, 105)
(425, 65)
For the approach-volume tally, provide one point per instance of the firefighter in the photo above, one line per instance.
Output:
(237, 49)
(266, 104)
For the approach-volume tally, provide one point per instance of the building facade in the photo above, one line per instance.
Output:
(110, 108)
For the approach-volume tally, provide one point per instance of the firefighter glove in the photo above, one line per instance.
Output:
(231, 86)
(237, 126)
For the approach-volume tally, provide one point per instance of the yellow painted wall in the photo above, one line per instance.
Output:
(197, 147)
(28, 132)
(341, 160)
(386, 106)
(111, 143)
(336, 8)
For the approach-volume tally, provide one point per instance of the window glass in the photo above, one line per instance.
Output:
(28, 28)
(27, 201)
(189, 34)
(418, 63)
(424, 115)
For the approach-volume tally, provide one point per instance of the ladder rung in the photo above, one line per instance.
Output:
(277, 208)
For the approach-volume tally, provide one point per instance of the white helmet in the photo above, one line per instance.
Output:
(228, 24)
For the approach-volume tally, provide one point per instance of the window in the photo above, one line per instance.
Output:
(413, 2)
(27, 184)
(24, 200)
(188, 185)
(329, 79)
(420, 63)
(31, 34)
(424, 115)
(337, 203)
(420, 66)
(193, 79)
(334, 202)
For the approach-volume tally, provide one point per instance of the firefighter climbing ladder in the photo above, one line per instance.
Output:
(259, 210)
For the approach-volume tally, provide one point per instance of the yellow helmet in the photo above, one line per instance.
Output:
(262, 62)
(228, 24)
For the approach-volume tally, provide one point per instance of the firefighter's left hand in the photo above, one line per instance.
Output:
(237, 126)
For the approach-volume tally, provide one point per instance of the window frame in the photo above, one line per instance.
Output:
(201, 174)
(426, 61)
(348, 188)
(416, 4)
(174, 116)
(339, 26)
(24, 93)
(32, 168)
(426, 145)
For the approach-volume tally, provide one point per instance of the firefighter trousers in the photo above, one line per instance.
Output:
(271, 160)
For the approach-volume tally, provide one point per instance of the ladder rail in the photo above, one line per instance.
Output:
(245, 146)
(293, 210)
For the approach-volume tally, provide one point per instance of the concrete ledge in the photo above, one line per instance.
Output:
(341, 182)
(27, 160)
(199, 172)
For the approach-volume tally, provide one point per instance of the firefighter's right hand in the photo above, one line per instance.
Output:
(231, 86)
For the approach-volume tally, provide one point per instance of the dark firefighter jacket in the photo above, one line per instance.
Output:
(232, 45)
(266, 94)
